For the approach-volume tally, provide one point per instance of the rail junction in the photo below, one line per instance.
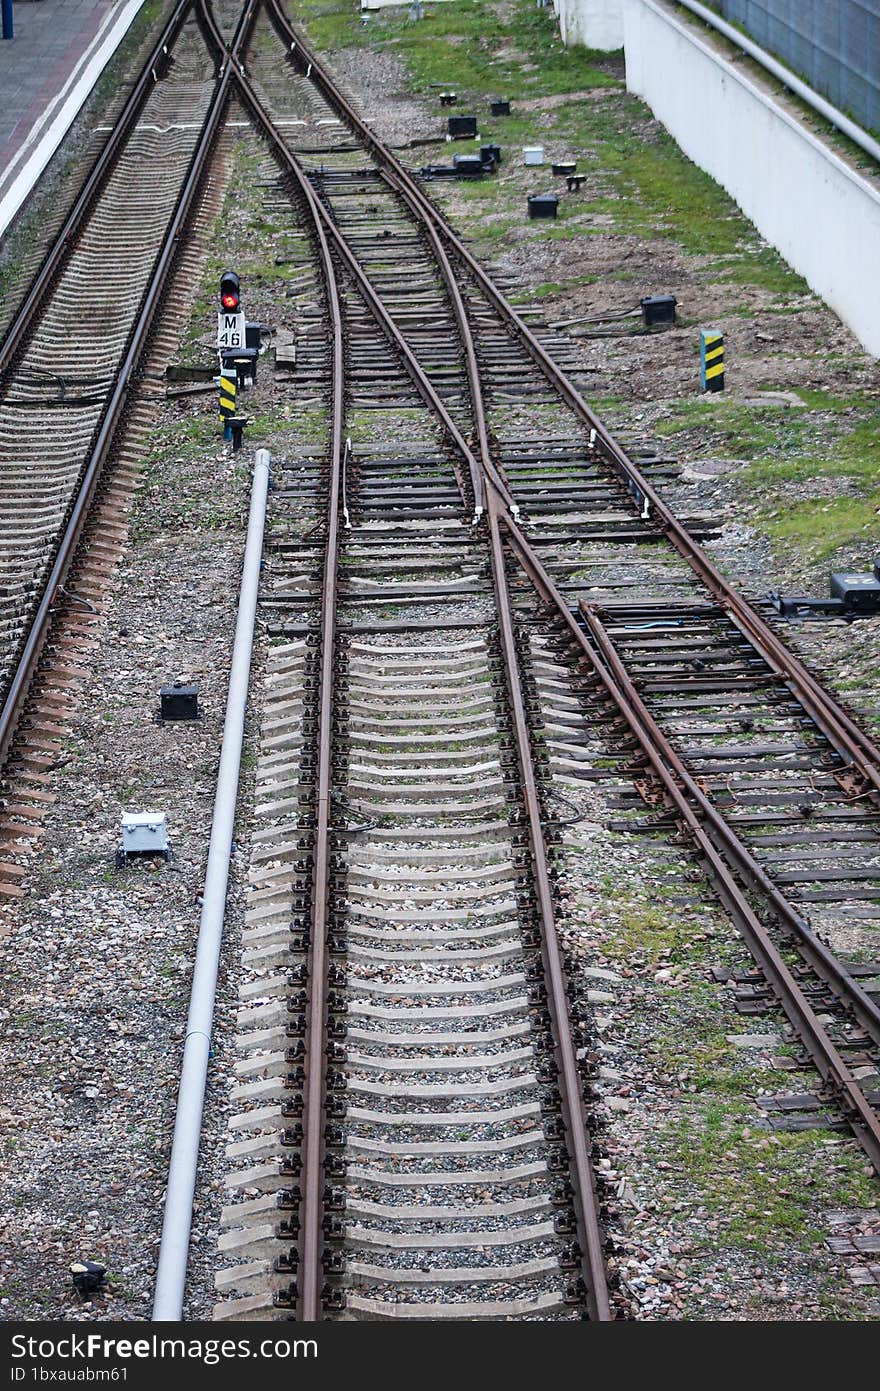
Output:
(412, 1127)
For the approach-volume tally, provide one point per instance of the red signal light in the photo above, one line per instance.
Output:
(230, 292)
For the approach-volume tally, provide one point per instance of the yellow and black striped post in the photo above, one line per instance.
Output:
(228, 383)
(711, 359)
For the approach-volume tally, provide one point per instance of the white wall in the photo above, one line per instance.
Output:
(804, 199)
(594, 23)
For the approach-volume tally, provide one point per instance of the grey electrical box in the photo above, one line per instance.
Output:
(143, 833)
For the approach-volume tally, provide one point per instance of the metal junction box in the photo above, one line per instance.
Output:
(462, 127)
(658, 309)
(860, 593)
(179, 702)
(543, 204)
(468, 166)
(143, 833)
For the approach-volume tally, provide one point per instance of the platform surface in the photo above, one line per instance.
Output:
(51, 37)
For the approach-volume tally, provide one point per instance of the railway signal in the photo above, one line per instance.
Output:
(230, 292)
(231, 330)
(238, 342)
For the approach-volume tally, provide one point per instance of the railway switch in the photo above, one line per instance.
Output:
(658, 310)
(462, 127)
(143, 833)
(178, 701)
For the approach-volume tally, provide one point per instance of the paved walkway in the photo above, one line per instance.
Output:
(47, 71)
(50, 38)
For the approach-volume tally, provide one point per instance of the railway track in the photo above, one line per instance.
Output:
(570, 502)
(412, 1136)
(70, 357)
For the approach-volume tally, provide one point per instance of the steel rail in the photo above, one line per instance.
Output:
(84, 204)
(606, 664)
(820, 957)
(310, 1236)
(583, 1182)
(574, 1120)
(374, 302)
(841, 730)
(312, 1186)
(125, 379)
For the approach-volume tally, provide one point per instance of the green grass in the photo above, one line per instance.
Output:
(834, 438)
(640, 183)
(760, 1185)
(820, 527)
(511, 50)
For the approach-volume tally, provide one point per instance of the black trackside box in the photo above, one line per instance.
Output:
(658, 309)
(179, 702)
(462, 127)
(543, 204)
(860, 593)
(468, 166)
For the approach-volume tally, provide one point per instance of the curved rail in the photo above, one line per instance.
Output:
(852, 742)
(310, 1273)
(693, 809)
(854, 745)
(119, 398)
(497, 498)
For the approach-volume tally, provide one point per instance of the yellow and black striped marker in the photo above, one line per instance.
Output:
(711, 360)
(228, 384)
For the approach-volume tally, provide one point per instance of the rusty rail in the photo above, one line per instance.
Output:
(693, 808)
(120, 396)
(483, 472)
(852, 742)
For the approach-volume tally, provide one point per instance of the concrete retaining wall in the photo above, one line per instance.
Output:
(593, 23)
(816, 209)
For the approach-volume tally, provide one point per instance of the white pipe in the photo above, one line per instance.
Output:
(174, 1249)
(787, 78)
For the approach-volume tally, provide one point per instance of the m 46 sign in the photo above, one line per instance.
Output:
(230, 330)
